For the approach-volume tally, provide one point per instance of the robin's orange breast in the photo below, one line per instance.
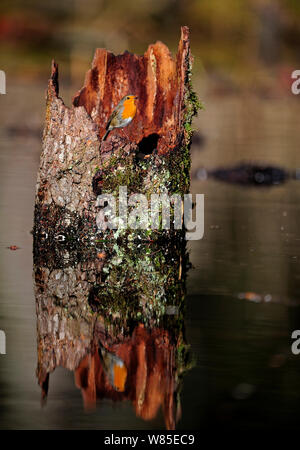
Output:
(129, 109)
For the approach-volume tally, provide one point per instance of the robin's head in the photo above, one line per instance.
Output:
(130, 99)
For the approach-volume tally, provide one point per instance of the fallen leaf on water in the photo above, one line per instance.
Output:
(251, 296)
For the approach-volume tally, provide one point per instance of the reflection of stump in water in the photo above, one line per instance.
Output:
(116, 320)
(149, 379)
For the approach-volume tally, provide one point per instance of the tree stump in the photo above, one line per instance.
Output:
(151, 155)
(119, 292)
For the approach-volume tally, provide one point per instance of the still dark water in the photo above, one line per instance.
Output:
(242, 292)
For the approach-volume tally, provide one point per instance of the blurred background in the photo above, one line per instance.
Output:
(233, 41)
(243, 289)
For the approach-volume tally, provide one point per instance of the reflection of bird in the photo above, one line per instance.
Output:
(114, 368)
(122, 114)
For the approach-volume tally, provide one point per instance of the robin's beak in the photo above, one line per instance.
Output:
(136, 97)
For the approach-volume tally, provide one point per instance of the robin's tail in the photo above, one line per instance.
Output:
(106, 134)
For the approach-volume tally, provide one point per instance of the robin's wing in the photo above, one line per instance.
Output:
(110, 123)
(111, 118)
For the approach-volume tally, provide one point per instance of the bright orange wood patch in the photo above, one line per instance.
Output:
(120, 375)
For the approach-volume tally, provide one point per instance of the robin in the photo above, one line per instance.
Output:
(122, 114)
(114, 368)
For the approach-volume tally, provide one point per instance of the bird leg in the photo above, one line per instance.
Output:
(125, 134)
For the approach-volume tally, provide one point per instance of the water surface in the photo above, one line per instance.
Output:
(244, 375)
